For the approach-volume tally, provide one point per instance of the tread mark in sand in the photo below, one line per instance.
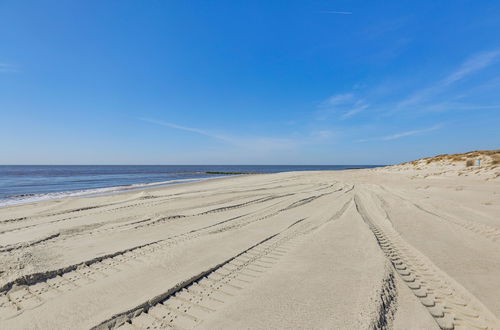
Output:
(187, 304)
(44, 286)
(221, 209)
(142, 223)
(217, 210)
(87, 214)
(451, 306)
(146, 201)
(387, 303)
(484, 230)
(481, 229)
(53, 283)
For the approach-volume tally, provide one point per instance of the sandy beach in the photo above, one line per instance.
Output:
(413, 246)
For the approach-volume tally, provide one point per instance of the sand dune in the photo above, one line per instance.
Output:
(380, 248)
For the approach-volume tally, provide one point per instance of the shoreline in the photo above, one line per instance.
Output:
(24, 199)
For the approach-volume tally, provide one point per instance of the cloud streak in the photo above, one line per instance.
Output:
(5, 67)
(359, 106)
(402, 134)
(185, 128)
(251, 143)
(335, 12)
(474, 64)
(345, 105)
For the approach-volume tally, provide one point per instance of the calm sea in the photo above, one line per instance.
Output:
(26, 183)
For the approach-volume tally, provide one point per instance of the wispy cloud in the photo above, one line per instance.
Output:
(345, 105)
(409, 133)
(6, 67)
(358, 107)
(474, 64)
(402, 134)
(444, 94)
(185, 128)
(257, 143)
(252, 143)
(337, 100)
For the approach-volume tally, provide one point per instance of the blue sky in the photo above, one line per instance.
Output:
(247, 82)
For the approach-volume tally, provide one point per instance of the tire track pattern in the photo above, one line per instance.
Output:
(147, 201)
(481, 229)
(449, 304)
(32, 290)
(133, 225)
(387, 303)
(146, 204)
(216, 210)
(188, 304)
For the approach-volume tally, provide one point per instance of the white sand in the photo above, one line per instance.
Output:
(382, 248)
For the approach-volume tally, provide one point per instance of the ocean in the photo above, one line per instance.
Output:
(27, 183)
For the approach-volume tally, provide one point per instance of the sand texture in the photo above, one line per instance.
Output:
(358, 249)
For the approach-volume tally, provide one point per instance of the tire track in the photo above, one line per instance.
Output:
(20, 294)
(100, 213)
(451, 305)
(481, 229)
(144, 222)
(231, 207)
(163, 198)
(53, 214)
(485, 231)
(243, 222)
(216, 210)
(30, 291)
(113, 210)
(9, 248)
(387, 303)
(147, 203)
(188, 303)
(140, 224)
